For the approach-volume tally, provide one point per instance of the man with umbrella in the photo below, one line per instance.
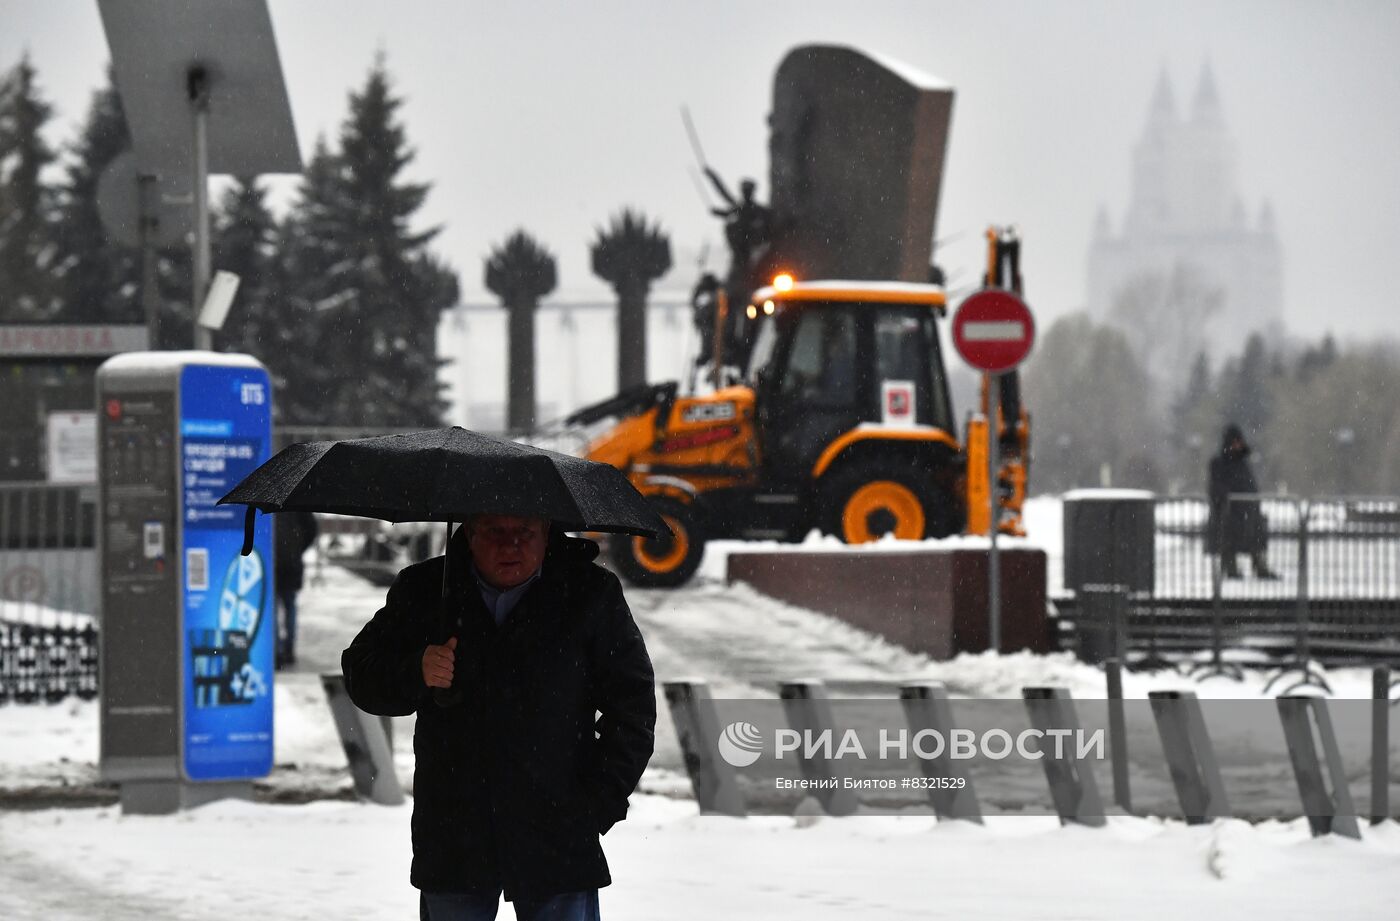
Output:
(532, 684)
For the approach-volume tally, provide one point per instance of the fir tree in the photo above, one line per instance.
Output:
(374, 291)
(27, 289)
(630, 255)
(1191, 397)
(402, 289)
(1248, 400)
(312, 280)
(174, 277)
(1315, 360)
(520, 272)
(244, 243)
(100, 279)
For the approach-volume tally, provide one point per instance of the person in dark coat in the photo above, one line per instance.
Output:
(293, 534)
(515, 779)
(1236, 526)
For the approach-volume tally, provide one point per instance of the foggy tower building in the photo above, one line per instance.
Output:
(1186, 210)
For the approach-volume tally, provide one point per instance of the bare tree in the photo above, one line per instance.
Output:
(1164, 318)
(1090, 398)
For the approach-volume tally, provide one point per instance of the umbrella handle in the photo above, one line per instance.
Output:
(451, 696)
(248, 531)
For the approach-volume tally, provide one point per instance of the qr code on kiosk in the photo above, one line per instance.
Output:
(197, 569)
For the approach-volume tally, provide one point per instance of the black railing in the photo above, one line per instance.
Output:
(1324, 587)
(45, 664)
(48, 554)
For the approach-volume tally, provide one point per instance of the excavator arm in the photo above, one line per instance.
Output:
(1013, 423)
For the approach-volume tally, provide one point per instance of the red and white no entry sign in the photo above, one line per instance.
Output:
(993, 330)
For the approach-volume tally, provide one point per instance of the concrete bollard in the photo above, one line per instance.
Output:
(1072, 784)
(1118, 734)
(367, 744)
(714, 781)
(1326, 799)
(926, 706)
(1190, 756)
(1380, 744)
(809, 712)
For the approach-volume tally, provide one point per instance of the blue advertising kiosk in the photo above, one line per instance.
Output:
(188, 625)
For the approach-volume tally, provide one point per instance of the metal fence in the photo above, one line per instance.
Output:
(1328, 590)
(45, 664)
(48, 551)
(49, 581)
(49, 578)
(48, 592)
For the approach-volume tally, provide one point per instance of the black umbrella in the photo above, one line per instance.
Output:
(445, 475)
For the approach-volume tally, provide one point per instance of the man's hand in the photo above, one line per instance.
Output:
(437, 664)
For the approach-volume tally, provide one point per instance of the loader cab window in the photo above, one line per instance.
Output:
(812, 391)
(762, 352)
(821, 365)
(906, 349)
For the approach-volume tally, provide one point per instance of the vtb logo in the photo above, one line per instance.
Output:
(740, 744)
(252, 394)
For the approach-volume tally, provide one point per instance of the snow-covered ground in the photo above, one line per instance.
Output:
(328, 857)
(343, 860)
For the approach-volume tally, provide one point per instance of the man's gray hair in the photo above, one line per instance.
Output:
(472, 519)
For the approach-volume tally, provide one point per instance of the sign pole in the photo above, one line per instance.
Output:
(148, 222)
(993, 331)
(994, 557)
(199, 106)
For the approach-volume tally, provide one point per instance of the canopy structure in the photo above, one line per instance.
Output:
(202, 88)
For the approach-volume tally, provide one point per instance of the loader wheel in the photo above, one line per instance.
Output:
(662, 562)
(866, 503)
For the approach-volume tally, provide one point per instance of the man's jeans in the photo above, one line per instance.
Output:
(482, 905)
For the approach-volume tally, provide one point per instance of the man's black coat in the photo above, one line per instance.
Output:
(1243, 529)
(511, 787)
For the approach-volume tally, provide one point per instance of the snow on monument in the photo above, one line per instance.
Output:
(856, 150)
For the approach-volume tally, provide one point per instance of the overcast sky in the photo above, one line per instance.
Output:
(552, 115)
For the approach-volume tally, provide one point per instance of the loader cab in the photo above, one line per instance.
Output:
(831, 357)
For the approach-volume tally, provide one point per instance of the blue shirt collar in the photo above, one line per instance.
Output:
(500, 602)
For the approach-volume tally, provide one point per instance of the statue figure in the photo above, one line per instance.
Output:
(748, 225)
(704, 306)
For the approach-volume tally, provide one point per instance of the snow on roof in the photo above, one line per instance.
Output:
(1081, 494)
(909, 73)
(903, 290)
(166, 361)
(908, 287)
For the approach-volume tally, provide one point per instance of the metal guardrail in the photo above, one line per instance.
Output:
(48, 552)
(48, 592)
(1331, 594)
(49, 581)
(1184, 760)
(45, 664)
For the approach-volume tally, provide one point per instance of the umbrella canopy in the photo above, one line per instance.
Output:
(446, 475)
